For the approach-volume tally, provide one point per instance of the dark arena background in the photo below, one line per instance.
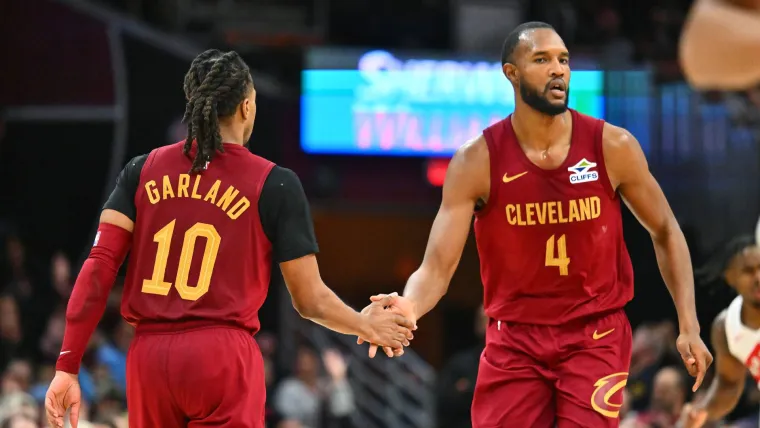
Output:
(366, 101)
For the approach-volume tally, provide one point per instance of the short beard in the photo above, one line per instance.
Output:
(539, 101)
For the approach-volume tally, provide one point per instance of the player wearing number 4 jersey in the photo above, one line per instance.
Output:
(204, 219)
(546, 185)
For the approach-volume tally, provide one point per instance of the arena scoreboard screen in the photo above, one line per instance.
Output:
(397, 104)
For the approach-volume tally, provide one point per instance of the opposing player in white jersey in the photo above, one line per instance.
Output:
(735, 332)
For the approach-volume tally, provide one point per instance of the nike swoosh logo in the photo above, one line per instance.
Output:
(507, 179)
(597, 336)
(63, 353)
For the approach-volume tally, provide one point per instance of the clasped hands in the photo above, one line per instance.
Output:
(396, 304)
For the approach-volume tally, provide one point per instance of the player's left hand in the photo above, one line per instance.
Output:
(399, 305)
(63, 393)
(695, 355)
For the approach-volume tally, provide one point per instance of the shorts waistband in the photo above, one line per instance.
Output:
(168, 327)
(572, 322)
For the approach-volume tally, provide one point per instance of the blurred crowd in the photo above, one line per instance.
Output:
(33, 297)
(620, 33)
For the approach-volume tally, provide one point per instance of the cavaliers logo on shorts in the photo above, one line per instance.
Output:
(606, 387)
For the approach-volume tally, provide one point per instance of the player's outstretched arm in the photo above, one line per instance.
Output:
(467, 181)
(316, 302)
(727, 386)
(286, 220)
(85, 309)
(629, 174)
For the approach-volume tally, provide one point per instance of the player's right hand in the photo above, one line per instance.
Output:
(399, 305)
(63, 394)
(386, 328)
(692, 417)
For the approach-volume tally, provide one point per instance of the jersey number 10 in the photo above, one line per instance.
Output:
(157, 285)
(560, 260)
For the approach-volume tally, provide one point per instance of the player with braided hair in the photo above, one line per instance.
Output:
(204, 219)
(735, 331)
(219, 91)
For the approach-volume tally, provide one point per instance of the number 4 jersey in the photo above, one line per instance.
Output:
(203, 243)
(551, 241)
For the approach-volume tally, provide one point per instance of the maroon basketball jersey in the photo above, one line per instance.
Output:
(551, 241)
(199, 253)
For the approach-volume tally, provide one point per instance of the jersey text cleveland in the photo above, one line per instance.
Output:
(553, 212)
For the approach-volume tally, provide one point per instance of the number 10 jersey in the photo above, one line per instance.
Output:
(199, 253)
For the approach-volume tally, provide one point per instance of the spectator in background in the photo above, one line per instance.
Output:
(666, 21)
(17, 377)
(18, 404)
(668, 398)
(625, 408)
(61, 280)
(61, 284)
(10, 329)
(312, 401)
(19, 421)
(646, 356)
(112, 355)
(456, 382)
(21, 286)
(616, 51)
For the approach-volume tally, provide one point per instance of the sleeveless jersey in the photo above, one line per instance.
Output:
(551, 241)
(743, 342)
(199, 253)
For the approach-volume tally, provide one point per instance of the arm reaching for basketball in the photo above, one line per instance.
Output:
(629, 174)
(725, 389)
(316, 302)
(84, 311)
(467, 181)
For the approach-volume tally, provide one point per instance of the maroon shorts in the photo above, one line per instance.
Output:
(207, 377)
(570, 375)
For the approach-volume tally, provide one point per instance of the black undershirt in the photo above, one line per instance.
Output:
(283, 209)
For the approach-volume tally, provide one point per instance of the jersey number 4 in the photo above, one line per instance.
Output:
(157, 285)
(559, 260)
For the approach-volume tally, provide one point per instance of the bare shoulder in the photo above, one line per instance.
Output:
(470, 170)
(473, 153)
(718, 332)
(623, 157)
(617, 140)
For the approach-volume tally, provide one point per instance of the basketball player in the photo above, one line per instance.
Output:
(735, 331)
(719, 42)
(204, 218)
(545, 185)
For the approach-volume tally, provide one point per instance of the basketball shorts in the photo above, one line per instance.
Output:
(538, 376)
(207, 377)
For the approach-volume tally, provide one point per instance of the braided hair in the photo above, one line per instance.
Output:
(214, 87)
(712, 271)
